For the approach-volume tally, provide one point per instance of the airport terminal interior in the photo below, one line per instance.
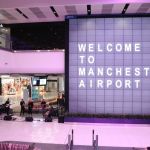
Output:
(75, 75)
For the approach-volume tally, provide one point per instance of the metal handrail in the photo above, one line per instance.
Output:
(70, 141)
(94, 141)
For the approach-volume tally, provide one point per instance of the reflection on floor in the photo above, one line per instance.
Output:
(115, 135)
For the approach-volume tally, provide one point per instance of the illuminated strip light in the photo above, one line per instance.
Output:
(125, 8)
(89, 9)
(20, 12)
(54, 11)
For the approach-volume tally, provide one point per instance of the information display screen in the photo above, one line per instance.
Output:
(109, 65)
(34, 82)
(43, 81)
(37, 81)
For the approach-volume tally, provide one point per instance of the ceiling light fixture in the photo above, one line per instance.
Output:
(89, 9)
(54, 11)
(20, 12)
(125, 8)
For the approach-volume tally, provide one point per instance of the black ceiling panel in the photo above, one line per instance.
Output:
(33, 36)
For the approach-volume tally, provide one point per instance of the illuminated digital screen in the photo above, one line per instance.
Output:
(109, 65)
(43, 81)
(34, 82)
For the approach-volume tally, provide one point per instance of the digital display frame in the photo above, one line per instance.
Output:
(108, 63)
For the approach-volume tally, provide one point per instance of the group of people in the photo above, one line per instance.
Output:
(46, 111)
(30, 107)
(22, 105)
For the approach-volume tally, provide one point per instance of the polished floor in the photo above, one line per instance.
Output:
(121, 135)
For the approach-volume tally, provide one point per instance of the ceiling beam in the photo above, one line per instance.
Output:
(40, 3)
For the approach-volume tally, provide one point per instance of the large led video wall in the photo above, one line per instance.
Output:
(109, 65)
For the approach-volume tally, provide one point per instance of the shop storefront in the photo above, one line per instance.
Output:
(37, 87)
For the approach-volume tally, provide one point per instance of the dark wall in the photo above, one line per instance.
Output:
(33, 36)
(0, 86)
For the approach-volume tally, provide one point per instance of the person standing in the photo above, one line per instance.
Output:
(7, 106)
(43, 106)
(58, 101)
(30, 107)
(22, 104)
(48, 115)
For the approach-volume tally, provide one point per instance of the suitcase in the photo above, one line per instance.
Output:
(48, 119)
(29, 119)
(8, 118)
